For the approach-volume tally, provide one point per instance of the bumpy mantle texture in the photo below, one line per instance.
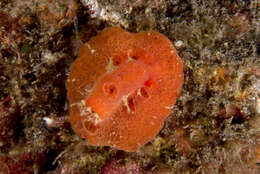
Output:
(122, 87)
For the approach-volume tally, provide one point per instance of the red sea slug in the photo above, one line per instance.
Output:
(122, 87)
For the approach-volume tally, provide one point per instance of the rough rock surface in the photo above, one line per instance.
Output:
(214, 126)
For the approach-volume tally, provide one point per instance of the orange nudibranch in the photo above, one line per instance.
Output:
(122, 87)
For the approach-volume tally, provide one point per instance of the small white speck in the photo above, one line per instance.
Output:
(139, 92)
(125, 102)
(110, 66)
(226, 44)
(89, 109)
(129, 59)
(83, 102)
(178, 43)
(168, 107)
(49, 57)
(257, 104)
(91, 49)
(47, 120)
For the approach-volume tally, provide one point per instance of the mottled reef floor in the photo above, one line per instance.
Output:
(214, 126)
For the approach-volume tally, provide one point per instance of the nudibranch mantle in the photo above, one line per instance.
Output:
(122, 87)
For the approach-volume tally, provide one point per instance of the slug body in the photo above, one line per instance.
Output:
(122, 87)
